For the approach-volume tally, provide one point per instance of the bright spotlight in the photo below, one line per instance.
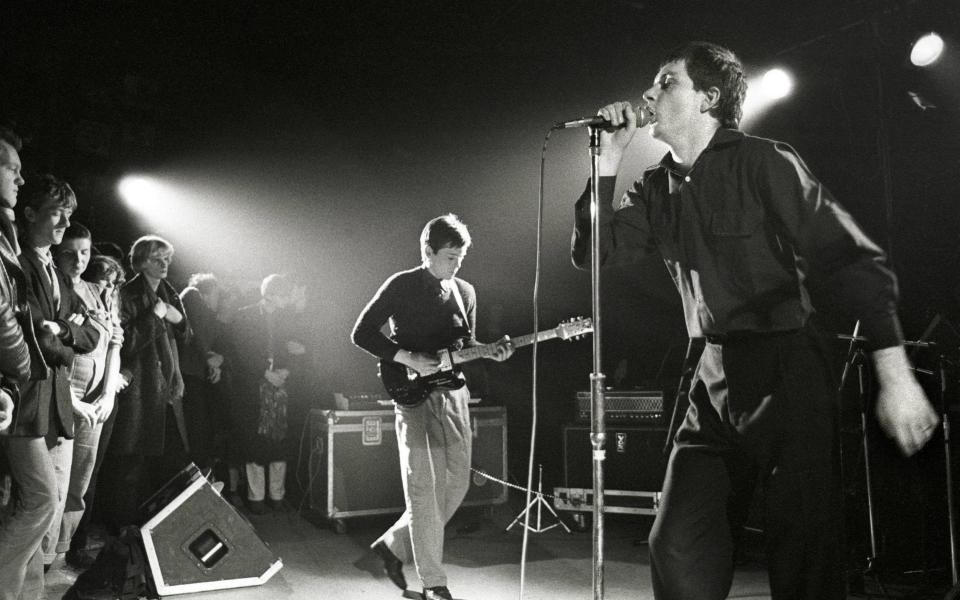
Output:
(776, 84)
(926, 50)
(764, 91)
(143, 194)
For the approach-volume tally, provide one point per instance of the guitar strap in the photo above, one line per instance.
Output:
(463, 311)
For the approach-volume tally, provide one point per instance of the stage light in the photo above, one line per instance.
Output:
(776, 84)
(926, 50)
(143, 194)
(763, 91)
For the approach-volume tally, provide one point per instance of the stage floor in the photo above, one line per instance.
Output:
(483, 561)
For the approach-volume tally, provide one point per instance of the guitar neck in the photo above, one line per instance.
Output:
(488, 350)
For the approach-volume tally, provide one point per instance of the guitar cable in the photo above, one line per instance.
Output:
(533, 393)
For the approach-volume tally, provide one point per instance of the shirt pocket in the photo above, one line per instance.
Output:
(735, 248)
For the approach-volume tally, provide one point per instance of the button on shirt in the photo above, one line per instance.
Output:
(745, 234)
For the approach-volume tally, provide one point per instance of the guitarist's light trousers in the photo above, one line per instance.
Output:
(434, 441)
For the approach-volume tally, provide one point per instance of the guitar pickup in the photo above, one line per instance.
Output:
(446, 360)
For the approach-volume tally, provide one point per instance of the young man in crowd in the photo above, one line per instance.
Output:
(94, 380)
(40, 446)
(14, 350)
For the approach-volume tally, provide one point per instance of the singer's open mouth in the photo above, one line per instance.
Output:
(651, 116)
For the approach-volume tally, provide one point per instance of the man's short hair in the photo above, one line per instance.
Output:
(10, 136)
(47, 190)
(102, 267)
(274, 284)
(711, 65)
(444, 231)
(205, 282)
(76, 231)
(144, 247)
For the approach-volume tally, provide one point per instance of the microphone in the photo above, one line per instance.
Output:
(644, 117)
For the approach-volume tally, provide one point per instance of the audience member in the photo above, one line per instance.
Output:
(259, 376)
(40, 446)
(297, 333)
(107, 275)
(93, 382)
(200, 366)
(14, 353)
(228, 305)
(149, 440)
(16, 545)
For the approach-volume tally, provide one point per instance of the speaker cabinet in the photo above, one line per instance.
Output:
(355, 467)
(634, 458)
(196, 541)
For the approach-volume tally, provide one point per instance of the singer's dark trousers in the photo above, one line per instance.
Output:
(762, 408)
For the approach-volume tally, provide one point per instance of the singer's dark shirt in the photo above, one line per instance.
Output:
(747, 234)
(424, 316)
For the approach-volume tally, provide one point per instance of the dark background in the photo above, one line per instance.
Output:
(319, 137)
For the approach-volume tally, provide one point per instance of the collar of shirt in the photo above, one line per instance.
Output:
(430, 282)
(722, 137)
(44, 255)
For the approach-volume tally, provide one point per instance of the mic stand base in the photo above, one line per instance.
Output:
(539, 502)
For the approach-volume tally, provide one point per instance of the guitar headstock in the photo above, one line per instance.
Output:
(574, 328)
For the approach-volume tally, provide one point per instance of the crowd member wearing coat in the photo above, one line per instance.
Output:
(149, 441)
(200, 364)
(259, 372)
(39, 443)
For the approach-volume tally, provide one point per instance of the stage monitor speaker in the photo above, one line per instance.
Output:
(634, 458)
(196, 541)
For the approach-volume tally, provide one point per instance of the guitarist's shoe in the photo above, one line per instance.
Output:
(391, 564)
(437, 593)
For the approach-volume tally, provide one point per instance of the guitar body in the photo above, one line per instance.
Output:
(409, 389)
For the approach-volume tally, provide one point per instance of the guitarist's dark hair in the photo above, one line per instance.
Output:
(443, 231)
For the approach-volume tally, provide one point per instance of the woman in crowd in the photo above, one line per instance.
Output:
(149, 443)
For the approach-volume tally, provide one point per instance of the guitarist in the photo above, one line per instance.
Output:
(428, 309)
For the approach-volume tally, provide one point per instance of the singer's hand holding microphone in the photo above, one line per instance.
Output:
(618, 122)
(622, 119)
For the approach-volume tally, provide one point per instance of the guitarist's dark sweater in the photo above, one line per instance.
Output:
(425, 317)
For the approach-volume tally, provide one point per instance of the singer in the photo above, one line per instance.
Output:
(746, 232)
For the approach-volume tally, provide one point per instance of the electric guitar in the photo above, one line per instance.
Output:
(409, 388)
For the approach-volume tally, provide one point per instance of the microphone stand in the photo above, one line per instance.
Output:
(856, 358)
(598, 434)
(871, 567)
(951, 505)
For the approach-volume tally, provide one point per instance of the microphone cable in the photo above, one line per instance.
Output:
(536, 343)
